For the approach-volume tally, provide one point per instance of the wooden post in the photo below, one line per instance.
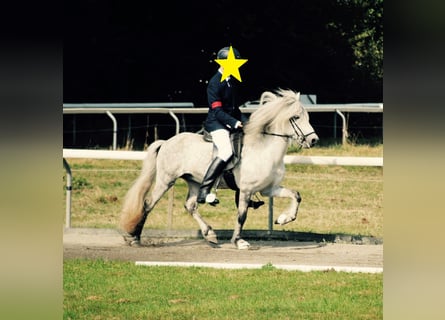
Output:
(171, 199)
(270, 229)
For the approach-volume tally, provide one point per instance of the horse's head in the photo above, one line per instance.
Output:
(305, 134)
(291, 118)
(281, 114)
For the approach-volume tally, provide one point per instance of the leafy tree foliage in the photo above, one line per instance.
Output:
(362, 26)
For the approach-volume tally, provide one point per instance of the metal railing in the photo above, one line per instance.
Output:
(175, 108)
(188, 108)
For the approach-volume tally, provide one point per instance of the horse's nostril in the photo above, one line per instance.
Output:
(314, 141)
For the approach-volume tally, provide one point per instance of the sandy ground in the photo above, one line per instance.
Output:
(108, 244)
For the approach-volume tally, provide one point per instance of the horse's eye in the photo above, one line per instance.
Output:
(296, 117)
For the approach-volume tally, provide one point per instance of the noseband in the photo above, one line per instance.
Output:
(299, 135)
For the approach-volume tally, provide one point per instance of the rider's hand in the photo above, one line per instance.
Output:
(238, 124)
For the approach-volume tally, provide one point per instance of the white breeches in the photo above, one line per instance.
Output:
(221, 139)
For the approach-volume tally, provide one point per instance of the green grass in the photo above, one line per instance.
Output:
(97, 289)
(336, 199)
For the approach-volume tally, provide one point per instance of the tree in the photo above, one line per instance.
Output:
(362, 27)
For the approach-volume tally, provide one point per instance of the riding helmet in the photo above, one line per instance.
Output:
(224, 52)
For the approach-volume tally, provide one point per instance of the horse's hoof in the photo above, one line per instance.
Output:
(212, 239)
(210, 236)
(135, 244)
(132, 241)
(242, 244)
(283, 219)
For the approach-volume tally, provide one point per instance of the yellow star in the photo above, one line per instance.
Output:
(230, 65)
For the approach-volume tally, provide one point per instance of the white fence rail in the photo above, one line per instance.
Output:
(139, 155)
(187, 108)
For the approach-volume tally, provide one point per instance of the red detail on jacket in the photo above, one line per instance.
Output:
(216, 104)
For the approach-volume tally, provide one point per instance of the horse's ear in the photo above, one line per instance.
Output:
(267, 96)
(297, 95)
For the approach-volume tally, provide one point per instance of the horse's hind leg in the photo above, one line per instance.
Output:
(134, 238)
(191, 205)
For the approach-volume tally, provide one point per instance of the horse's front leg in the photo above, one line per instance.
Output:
(241, 219)
(291, 213)
(191, 205)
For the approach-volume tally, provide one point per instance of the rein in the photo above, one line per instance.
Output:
(287, 136)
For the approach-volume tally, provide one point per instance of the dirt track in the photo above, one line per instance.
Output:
(108, 244)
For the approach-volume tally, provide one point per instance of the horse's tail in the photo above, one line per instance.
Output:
(132, 209)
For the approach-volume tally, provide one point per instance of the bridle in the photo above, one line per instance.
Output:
(299, 135)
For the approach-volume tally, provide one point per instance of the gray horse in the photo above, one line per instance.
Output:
(280, 118)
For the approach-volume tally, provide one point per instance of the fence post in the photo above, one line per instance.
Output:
(270, 222)
(171, 198)
(69, 179)
(344, 127)
(114, 129)
(176, 120)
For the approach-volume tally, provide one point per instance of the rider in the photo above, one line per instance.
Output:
(224, 117)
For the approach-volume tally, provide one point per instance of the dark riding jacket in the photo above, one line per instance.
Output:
(223, 111)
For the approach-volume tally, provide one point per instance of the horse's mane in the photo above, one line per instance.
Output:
(273, 113)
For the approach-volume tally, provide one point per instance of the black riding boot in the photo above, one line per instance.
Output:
(213, 172)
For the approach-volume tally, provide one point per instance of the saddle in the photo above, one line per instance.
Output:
(228, 178)
(236, 139)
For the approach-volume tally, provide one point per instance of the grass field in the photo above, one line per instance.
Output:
(120, 290)
(336, 199)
